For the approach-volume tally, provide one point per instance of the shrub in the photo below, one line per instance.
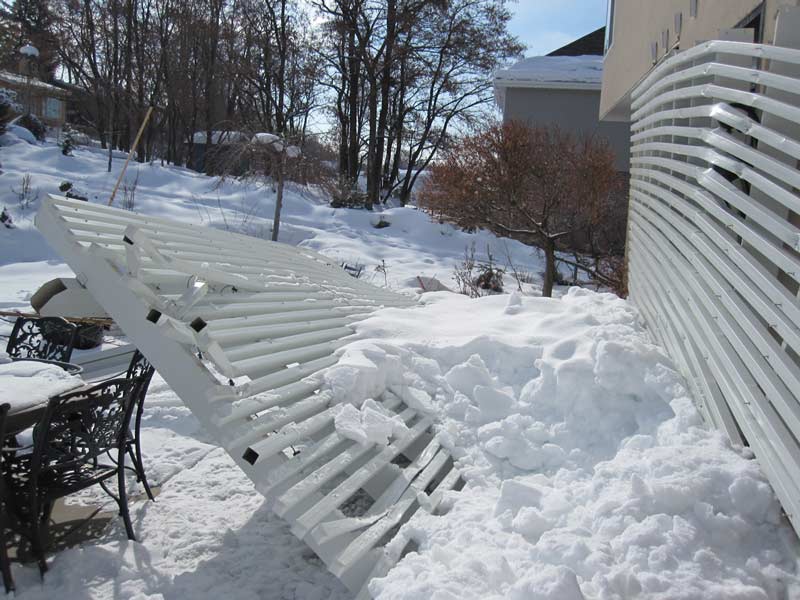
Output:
(8, 106)
(5, 219)
(535, 184)
(34, 125)
(68, 141)
(71, 192)
(26, 194)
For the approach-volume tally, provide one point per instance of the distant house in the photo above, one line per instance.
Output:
(563, 89)
(222, 156)
(44, 100)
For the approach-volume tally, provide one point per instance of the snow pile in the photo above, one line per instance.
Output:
(371, 424)
(554, 69)
(589, 472)
(15, 133)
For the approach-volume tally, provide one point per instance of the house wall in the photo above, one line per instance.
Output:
(573, 111)
(640, 23)
(35, 100)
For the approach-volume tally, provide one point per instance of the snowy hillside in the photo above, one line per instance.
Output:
(410, 246)
(589, 473)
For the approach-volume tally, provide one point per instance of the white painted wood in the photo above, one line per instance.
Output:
(714, 238)
(243, 331)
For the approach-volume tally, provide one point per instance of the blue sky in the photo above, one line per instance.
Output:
(544, 25)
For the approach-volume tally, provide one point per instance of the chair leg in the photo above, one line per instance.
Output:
(137, 451)
(122, 499)
(5, 563)
(39, 525)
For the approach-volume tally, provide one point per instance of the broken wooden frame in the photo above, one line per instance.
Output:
(242, 330)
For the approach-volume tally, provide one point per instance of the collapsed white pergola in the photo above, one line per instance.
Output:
(242, 330)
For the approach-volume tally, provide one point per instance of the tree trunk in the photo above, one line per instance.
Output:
(276, 221)
(383, 117)
(353, 141)
(372, 184)
(549, 247)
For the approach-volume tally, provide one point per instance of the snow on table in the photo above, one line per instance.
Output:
(26, 384)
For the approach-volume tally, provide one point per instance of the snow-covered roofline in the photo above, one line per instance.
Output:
(17, 79)
(550, 72)
(220, 137)
(566, 72)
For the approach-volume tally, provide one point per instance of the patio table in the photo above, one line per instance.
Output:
(28, 384)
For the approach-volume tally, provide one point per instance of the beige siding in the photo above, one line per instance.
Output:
(573, 111)
(639, 23)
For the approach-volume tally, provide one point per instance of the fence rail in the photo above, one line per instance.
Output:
(714, 235)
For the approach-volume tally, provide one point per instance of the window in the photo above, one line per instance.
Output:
(52, 108)
(610, 25)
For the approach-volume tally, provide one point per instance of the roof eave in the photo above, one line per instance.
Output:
(552, 85)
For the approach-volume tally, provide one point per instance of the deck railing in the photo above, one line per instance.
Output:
(714, 235)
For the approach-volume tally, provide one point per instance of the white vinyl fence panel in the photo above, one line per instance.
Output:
(243, 329)
(714, 236)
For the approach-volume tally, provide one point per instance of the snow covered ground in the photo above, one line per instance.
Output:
(411, 245)
(589, 473)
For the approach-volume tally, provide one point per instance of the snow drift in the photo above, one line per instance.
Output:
(589, 472)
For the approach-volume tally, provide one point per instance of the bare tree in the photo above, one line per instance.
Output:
(535, 184)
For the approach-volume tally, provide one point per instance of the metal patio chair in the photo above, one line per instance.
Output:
(47, 338)
(73, 449)
(139, 369)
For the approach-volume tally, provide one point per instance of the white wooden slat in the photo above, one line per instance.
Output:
(280, 479)
(243, 330)
(313, 516)
(772, 303)
(714, 236)
(327, 472)
(390, 555)
(379, 521)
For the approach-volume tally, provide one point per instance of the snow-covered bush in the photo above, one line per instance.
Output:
(33, 124)
(71, 192)
(476, 279)
(26, 193)
(5, 219)
(8, 106)
(343, 193)
(68, 142)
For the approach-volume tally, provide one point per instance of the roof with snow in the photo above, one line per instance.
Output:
(553, 71)
(550, 72)
(16, 79)
(220, 137)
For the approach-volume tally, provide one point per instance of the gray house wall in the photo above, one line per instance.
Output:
(573, 111)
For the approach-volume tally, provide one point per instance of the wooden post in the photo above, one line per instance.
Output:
(133, 149)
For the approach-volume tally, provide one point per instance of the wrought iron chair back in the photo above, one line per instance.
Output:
(50, 338)
(77, 430)
(69, 444)
(141, 369)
